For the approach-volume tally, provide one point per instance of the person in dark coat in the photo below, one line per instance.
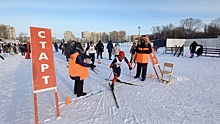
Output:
(193, 48)
(67, 51)
(100, 49)
(199, 51)
(55, 46)
(110, 47)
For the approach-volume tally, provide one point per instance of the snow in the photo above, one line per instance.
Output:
(191, 98)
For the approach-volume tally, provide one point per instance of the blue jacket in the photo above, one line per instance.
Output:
(110, 46)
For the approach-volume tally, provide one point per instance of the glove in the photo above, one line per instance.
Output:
(130, 68)
(92, 66)
(114, 66)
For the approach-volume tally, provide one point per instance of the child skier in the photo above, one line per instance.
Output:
(115, 65)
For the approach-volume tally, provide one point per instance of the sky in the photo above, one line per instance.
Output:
(103, 15)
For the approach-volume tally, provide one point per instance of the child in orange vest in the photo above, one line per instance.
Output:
(116, 66)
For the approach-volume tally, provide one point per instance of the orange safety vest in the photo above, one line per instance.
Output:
(77, 70)
(141, 57)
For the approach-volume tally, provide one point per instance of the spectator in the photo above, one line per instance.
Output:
(116, 50)
(55, 46)
(110, 47)
(100, 49)
(67, 51)
(132, 51)
(193, 48)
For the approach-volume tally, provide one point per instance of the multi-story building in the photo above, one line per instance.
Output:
(118, 36)
(91, 36)
(7, 32)
(68, 36)
(122, 36)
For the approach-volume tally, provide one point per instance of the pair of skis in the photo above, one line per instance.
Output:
(123, 82)
(95, 70)
(119, 81)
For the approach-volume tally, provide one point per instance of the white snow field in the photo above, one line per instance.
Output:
(191, 98)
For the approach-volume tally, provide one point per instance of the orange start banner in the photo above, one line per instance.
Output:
(43, 71)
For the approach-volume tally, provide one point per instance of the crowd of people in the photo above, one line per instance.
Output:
(14, 48)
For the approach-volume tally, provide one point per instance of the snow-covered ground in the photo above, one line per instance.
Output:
(191, 98)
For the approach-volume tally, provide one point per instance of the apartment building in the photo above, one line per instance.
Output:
(7, 32)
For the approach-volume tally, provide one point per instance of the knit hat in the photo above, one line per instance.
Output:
(122, 54)
(79, 46)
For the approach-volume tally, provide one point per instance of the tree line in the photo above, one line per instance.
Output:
(187, 28)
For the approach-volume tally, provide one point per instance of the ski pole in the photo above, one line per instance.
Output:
(108, 78)
(130, 76)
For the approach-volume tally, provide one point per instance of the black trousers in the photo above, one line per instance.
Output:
(92, 56)
(78, 88)
(99, 53)
(141, 67)
(109, 55)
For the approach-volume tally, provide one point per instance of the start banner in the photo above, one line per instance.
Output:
(43, 71)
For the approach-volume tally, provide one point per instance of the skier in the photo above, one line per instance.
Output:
(91, 51)
(78, 70)
(115, 65)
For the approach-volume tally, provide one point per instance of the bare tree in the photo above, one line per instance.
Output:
(22, 37)
(191, 26)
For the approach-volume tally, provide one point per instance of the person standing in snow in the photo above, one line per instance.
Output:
(192, 48)
(143, 50)
(116, 50)
(110, 47)
(116, 66)
(55, 46)
(67, 51)
(132, 51)
(199, 51)
(91, 51)
(100, 49)
(78, 68)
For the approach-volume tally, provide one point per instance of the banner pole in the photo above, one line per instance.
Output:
(35, 108)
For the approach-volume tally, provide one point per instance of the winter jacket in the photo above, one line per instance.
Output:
(193, 47)
(142, 53)
(116, 50)
(78, 68)
(67, 50)
(110, 46)
(100, 47)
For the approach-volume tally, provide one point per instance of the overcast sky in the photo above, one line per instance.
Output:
(103, 15)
